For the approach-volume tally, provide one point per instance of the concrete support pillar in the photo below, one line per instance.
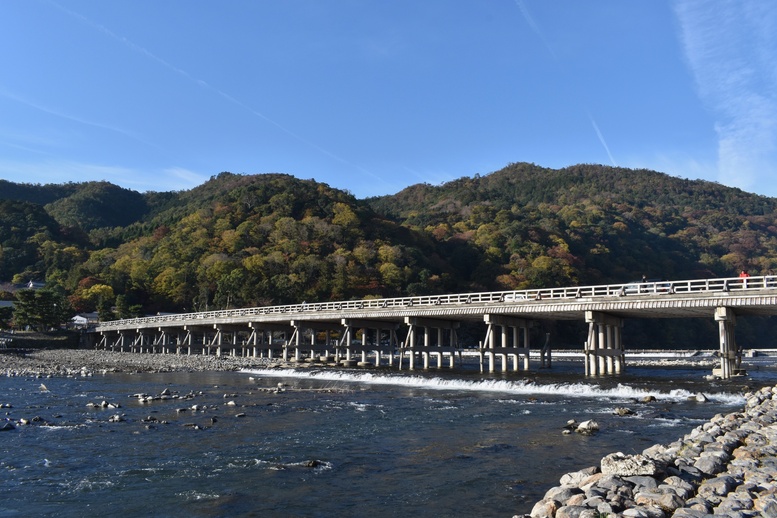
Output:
(452, 346)
(513, 341)
(491, 356)
(526, 346)
(545, 354)
(440, 335)
(730, 355)
(364, 346)
(425, 350)
(410, 344)
(348, 339)
(604, 348)
(602, 337)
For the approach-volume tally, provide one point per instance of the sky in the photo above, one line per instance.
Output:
(372, 96)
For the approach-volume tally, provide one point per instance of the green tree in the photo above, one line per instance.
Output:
(6, 314)
(40, 310)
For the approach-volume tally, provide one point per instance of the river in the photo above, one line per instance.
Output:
(331, 443)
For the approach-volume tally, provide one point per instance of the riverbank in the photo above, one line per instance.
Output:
(725, 467)
(69, 362)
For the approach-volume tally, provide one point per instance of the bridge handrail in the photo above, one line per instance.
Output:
(661, 287)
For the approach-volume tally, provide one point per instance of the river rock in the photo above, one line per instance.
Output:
(667, 502)
(575, 511)
(629, 465)
(562, 493)
(577, 477)
(545, 508)
(718, 486)
(588, 427)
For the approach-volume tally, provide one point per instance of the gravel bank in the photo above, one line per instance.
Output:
(725, 467)
(66, 362)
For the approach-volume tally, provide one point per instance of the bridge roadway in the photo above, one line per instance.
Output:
(328, 331)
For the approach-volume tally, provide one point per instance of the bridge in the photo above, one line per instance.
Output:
(419, 330)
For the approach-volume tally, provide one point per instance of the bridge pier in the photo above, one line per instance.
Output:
(114, 345)
(301, 327)
(604, 347)
(427, 350)
(266, 330)
(161, 340)
(205, 344)
(377, 327)
(730, 354)
(513, 334)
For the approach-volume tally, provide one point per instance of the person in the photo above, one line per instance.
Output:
(744, 274)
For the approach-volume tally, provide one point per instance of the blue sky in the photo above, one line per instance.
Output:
(375, 95)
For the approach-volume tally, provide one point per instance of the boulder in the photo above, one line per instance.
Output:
(588, 427)
(575, 511)
(710, 464)
(562, 493)
(575, 478)
(717, 486)
(629, 465)
(545, 508)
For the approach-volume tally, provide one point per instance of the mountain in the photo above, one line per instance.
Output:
(247, 240)
(593, 224)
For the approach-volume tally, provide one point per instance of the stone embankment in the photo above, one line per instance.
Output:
(726, 467)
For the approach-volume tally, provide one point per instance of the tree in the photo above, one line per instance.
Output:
(6, 313)
(40, 309)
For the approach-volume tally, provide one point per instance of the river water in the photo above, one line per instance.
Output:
(331, 443)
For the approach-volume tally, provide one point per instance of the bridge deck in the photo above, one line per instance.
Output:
(697, 298)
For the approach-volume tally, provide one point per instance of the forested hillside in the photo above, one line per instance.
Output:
(247, 240)
(532, 226)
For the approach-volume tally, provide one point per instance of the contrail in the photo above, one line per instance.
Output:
(79, 120)
(538, 31)
(204, 84)
(601, 139)
(534, 26)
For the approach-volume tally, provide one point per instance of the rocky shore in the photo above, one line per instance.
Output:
(726, 467)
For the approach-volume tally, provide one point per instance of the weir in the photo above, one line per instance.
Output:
(422, 332)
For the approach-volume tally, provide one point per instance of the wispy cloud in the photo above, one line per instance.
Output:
(731, 49)
(62, 171)
(189, 178)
